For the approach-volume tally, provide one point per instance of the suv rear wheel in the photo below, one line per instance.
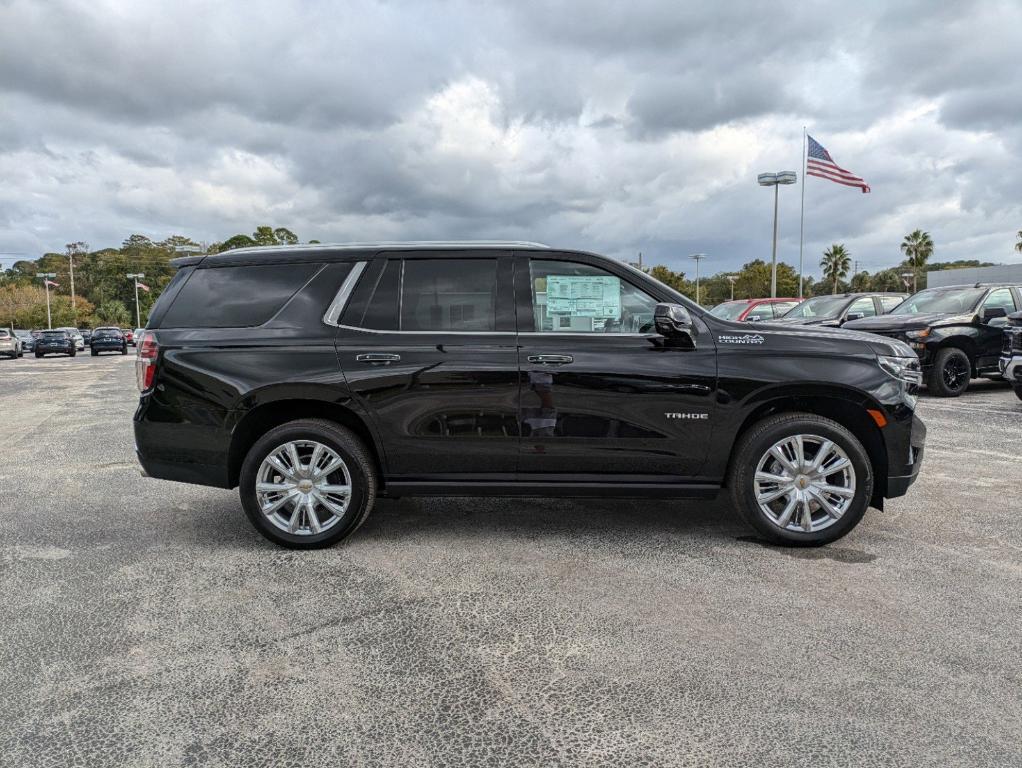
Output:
(949, 376)
(800, 479)
(307, 484)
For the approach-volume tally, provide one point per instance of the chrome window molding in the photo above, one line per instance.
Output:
(530, 334)
(333, 312)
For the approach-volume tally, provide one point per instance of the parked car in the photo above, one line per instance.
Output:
(108, 340)
(957, 331)
(10, 344)
(1011, 356)
(86, 335)
(129, 335)
(834, 311)
(27, 340)
(137, 333)
(752, 310)
(316, 378)
(76, 336)
(58, 340)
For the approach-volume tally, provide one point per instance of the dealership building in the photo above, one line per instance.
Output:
(1003, 273)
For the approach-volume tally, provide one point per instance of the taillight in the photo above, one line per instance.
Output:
(145, 360)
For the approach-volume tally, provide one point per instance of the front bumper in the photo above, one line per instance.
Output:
(905, 458)
(1011, 369)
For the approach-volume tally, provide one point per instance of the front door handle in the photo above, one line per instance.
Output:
(377, 357)
(551, 359)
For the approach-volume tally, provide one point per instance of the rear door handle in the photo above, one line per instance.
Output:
(377, 357)
(551, 359)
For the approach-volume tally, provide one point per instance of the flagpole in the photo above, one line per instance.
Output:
(802, 217)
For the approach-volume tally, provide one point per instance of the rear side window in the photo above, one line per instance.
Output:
(448, 295)
(236, 297)
(863, 306)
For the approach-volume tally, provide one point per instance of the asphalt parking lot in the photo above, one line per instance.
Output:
(144, 623)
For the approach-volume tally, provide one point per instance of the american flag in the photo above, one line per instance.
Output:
(52, 284)
(144, 287)
(820, 163)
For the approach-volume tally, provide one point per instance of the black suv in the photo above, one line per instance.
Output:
(1011, 356)
(318, 377)
(835, 310)
(108, 340)
(957, 331)
(55, 341)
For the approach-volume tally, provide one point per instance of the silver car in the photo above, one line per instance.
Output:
(74, 334)
(10, 345)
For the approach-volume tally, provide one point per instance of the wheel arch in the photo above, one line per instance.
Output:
(963, 342)
(837, 406)
(260, 419)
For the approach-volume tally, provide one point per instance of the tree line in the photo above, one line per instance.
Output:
(104, 295)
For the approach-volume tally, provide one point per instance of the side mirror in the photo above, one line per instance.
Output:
(854, 316)
(672, 321)
(992, 313)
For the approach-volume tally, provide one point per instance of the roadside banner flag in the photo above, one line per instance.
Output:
(144, 287)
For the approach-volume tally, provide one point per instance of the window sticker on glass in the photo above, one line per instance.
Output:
(597, 296)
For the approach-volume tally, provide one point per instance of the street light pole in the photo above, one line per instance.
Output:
(774, 180)
(732, 279)
(138, 313)
(697, 257)
(47, 276)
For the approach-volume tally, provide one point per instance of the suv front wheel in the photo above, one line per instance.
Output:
(307, 484)
(800, 479)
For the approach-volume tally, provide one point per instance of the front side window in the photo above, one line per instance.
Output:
(1000, 299)
(818, 306)
(569, 297)
(890, 302)
(449, 295)
(864, 307)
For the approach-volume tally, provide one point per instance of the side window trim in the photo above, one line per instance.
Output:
(333, 312)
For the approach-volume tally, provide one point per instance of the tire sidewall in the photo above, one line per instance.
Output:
(334, 439)
(745, 494)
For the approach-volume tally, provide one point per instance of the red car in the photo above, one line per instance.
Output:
(750, 310)
(129, 335)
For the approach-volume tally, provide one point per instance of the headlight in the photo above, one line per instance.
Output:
(920, 334)
(902, 368)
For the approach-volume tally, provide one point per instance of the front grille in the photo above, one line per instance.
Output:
(1016, 340)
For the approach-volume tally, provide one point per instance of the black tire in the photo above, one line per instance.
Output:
(1018, 392)
(124, 350)
(950, 373)
(38, 355)
(757, 441)
(350, 449)
(72, 353)
(95, 353)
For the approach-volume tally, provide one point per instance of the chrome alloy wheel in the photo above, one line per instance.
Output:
(303, 487)
(804, 483)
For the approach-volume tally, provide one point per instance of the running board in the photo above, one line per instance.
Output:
(399, 488)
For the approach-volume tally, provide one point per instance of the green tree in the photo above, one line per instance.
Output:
(1018, 245)
(861, 282)
(835, 263)
(672, 279)
(113, 313)
(917, 247)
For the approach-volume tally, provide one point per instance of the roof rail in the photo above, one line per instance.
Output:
(396, 244)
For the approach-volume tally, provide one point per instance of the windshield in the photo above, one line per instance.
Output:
(940, 300)
(819, 306)
(729, 310)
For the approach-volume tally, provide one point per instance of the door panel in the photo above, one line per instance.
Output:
(606, 402)
(443, 401)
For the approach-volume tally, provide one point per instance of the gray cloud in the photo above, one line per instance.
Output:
(614, 127)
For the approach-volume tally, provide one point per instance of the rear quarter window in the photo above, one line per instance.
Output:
(236, 297)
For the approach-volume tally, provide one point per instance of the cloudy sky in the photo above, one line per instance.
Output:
(613, 126)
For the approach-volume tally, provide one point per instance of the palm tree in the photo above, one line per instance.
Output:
(836, 262)
(1018, 245)
(917, 247)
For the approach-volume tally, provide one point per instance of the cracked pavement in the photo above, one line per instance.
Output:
(145, 623)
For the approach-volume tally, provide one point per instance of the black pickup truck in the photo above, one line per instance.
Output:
(1011, 355)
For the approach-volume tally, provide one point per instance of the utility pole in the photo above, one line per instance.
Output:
(138, 314)
(732, 279)
(47, 276)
